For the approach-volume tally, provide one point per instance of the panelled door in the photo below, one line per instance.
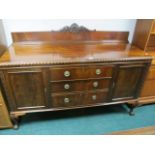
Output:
(27, 88)
(127, 81)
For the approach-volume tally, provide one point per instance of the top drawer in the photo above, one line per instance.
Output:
(70, 73)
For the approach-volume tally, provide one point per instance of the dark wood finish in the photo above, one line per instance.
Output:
(59, 100)
(139, 131)
(57, 74)
(101, 84)
(78, 99)
(95, 97)
(43, 53)
(63, 36)
(74, 85)
(34, 73)
(27, 88)
(80, 85)
(127, 81)
(80, 72)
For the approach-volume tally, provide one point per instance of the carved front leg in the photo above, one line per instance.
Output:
(15, 121)
(16, 118)
(132, 106)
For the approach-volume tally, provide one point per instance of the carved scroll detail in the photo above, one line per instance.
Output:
(74, 28)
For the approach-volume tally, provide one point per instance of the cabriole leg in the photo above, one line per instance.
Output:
(15, 121)
(131, 108)
(131, 112)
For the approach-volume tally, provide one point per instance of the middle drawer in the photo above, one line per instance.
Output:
(68, 86)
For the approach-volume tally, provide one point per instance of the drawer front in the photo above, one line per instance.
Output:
(95, 97)
(97, 84)
(66, 100)
(69, 86)
(100, 71)
(151, 73)
(68, 73)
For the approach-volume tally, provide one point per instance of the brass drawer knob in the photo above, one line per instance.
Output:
(95, 84)
(66, 73)
(98, 71)
(66, 100)
(66, 86)
(94, 97)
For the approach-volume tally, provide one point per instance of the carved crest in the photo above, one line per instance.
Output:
(74, 28)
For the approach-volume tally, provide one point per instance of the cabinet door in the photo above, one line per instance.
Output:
(127, 82)
(27, 88)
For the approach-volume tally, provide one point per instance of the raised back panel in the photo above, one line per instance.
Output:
(72, 33)
(63, 36)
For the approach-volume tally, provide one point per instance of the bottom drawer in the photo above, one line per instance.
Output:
(66, 100)
(79, 99)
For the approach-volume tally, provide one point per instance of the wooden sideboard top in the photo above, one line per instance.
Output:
(71, 44)
(60, 52)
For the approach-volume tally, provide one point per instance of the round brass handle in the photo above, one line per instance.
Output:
(67, 73)
(66, 86)
(94, 97)
(98, 71)
(95, 84)
(66, 100)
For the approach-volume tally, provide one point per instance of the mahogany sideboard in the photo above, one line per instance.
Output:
(49, 71)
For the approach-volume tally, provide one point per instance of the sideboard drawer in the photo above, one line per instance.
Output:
(68, 86)
(66, 100)
(68, 73)
(97, 84)
(100, 71)
(95, 97)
